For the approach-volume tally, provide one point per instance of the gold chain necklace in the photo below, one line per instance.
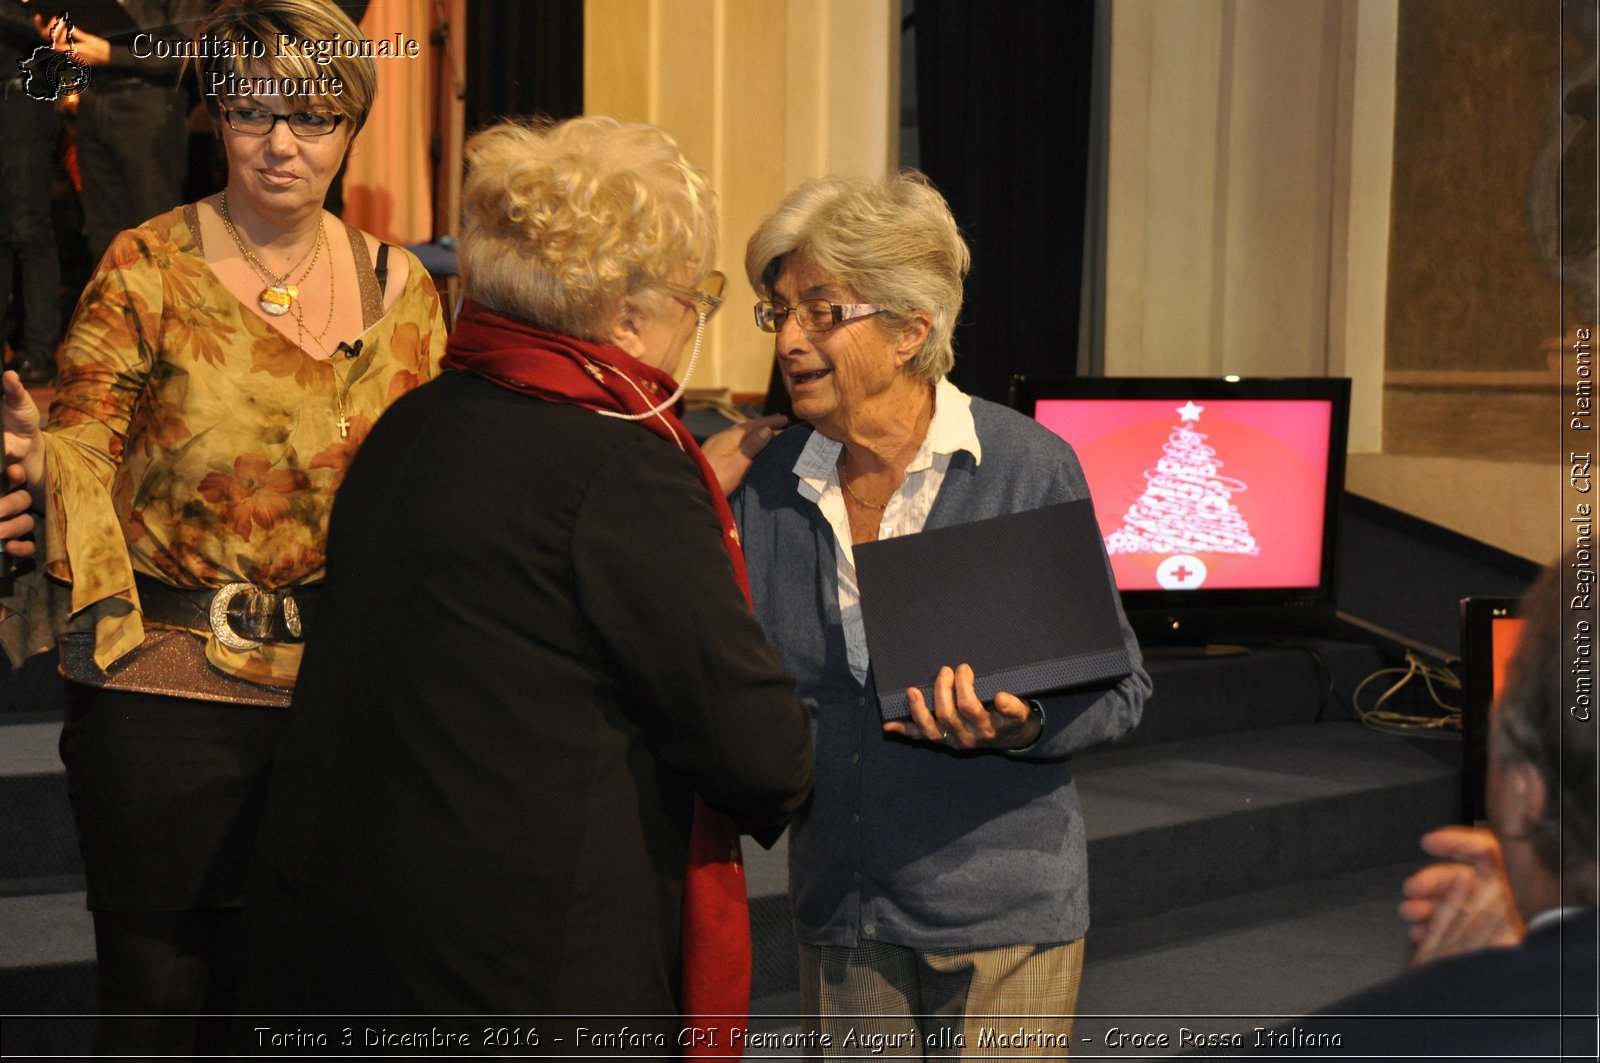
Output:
(843, 482)
(341, 393)
(278, 296)
(341, 384)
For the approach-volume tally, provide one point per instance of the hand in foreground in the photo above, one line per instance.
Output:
(24, 465)
(731, 450)
(958, 720)
(1463, 904)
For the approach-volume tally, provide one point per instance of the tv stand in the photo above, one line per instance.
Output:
(1192, 650)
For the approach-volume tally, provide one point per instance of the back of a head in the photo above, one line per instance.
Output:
(562, 220)
(1546, 718)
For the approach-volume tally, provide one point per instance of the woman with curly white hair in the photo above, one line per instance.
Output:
(539, 700)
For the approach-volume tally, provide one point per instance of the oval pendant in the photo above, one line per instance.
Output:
(275, 301)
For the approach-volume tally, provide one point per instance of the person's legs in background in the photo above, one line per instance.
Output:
(27, 242)
(133, 145)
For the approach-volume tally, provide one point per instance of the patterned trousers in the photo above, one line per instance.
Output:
(887, 1000)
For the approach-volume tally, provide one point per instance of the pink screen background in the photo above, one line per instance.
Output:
(1276, 447)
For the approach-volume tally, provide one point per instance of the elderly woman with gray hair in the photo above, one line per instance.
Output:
(537, 673)
(938, 876)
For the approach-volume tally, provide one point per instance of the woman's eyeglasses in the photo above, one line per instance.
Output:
(258, 121)
(705, 297)
(812, 315)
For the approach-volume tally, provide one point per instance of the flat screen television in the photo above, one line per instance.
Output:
(1490, 629)
(1218, 498)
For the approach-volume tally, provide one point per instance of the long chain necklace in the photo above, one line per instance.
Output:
(278, 296)
(845, 483)
(341, 383)
(300, 315)
(341, 393)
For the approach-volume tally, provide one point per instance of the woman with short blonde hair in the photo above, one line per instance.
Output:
(286, 48)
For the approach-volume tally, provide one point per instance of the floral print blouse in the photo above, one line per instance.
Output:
(191, 442)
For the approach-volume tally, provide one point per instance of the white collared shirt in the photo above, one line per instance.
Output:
(951, 430)
(1549, 916)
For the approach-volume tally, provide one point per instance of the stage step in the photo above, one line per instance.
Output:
(49, 938)
(1269, 954)
(1282, 951)
(1173, 824)
(1185, 823)
(38, 843)
(1273, 683)
(33, 691)
(47, 968)
(1180, 824)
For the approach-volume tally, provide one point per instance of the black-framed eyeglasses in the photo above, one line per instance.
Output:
(258, 121)
(813, 315)
(705, 297)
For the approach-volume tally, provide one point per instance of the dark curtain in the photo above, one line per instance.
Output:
(1003, 118)
(523, 59)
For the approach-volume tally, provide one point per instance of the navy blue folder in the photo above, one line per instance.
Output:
(1026, 599)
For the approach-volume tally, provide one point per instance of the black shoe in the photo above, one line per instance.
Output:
(35, 369)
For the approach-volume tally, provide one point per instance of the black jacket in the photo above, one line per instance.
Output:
(1535, 1000)
(531, 654)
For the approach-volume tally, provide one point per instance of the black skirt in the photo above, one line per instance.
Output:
(167, 793)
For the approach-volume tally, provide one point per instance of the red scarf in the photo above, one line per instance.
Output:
(556, 368)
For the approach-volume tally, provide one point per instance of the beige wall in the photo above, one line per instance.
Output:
(1248, 188)
(1249, 222)
(1251, 154)
(762, 94)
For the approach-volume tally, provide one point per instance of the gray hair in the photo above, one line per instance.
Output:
(1532, 715)
(894, 242)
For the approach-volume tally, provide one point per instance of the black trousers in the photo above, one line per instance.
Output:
(27, 239)
(167, 981)
(133, 152)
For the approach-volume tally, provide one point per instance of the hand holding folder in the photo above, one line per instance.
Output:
(956, 717)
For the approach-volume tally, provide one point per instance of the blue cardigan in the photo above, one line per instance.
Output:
(907, 843)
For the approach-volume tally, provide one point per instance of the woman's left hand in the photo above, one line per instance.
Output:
(731, 450)
(958, 720)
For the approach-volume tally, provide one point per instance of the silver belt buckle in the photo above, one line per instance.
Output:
(291, 615)
(220, 627)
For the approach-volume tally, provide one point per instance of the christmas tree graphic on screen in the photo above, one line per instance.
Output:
(1186, 509)
(1220, 493)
